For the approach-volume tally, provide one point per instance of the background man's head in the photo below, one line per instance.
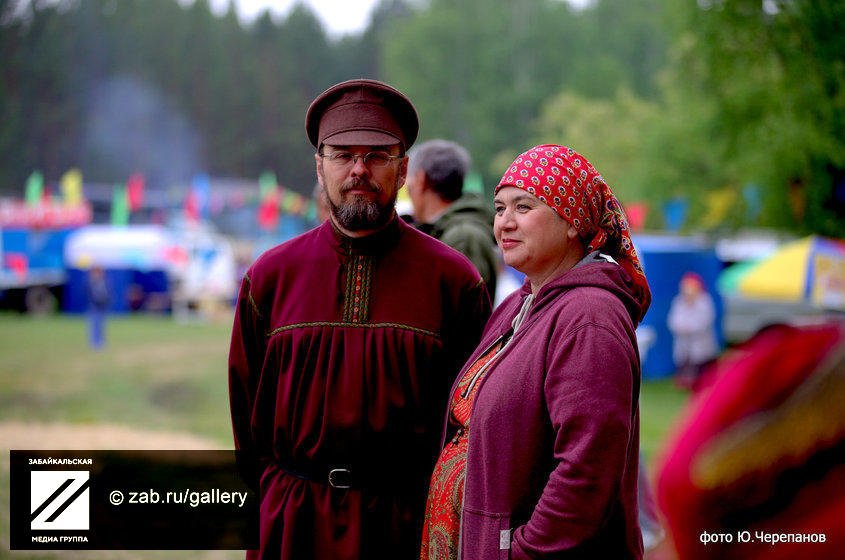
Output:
(436, 172)
(361, 129)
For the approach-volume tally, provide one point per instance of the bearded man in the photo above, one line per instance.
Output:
(345, 342)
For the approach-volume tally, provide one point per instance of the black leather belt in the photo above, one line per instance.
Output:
(335, 476)
(345, 477)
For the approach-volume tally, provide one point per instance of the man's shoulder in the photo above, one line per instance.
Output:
(286, 254)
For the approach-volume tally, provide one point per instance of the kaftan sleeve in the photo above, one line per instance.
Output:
(246, 354)
(590, 392)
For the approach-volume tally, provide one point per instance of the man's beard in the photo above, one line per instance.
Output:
(359, 213)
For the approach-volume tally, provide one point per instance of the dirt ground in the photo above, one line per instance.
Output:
(27, 435)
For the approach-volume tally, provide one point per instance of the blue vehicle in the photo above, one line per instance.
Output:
(32, 274)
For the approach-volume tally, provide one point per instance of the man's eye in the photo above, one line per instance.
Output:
(377, 158)
(341, 157)
(499, 209)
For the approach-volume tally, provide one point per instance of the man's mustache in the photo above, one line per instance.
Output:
(359, 185)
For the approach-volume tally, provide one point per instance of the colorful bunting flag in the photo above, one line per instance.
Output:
(201, 186)
(267, 183)
(191, 208)
(474, 184)
(135, 191)
(636, 213)
(751, 193)
(675, 213)
(119, 206)
(71, 186)
(311, 211)
(34, 188)
(718, 203)
(268, 211)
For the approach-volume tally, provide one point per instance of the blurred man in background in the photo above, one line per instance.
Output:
(99, 299)
(435, 185)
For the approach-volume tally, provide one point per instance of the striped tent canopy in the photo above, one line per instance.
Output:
(810, 270)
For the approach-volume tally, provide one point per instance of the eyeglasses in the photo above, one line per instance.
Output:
(373, 160)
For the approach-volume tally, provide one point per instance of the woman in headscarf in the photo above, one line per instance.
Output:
(542, 436)
(692, 322)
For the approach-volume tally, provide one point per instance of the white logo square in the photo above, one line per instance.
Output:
(59, 500)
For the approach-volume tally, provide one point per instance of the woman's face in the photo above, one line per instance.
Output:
(533, 238)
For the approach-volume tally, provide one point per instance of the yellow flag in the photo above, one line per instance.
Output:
(718, 204)
(71, 185)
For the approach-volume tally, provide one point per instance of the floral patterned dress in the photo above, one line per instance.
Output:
(441, 531)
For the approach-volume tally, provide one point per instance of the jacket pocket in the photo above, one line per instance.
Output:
(485, 535)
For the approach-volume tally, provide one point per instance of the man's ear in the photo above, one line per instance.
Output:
(318, 161)
(403, 170)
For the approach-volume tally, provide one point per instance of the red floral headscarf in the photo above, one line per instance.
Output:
(565, 181)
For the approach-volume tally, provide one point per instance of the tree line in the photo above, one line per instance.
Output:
(732, 110)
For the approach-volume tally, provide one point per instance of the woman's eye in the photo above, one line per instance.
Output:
(522, 207)
(499, 209)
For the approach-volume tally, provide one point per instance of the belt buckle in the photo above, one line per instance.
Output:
(337, 480)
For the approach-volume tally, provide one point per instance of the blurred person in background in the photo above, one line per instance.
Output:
(692, 321)
(542, 434)
(345, 342)
(99, 299)
(435, 183)
(755, 469)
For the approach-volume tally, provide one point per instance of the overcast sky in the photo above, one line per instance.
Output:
(338, 16)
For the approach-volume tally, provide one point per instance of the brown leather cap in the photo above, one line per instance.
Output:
(362, 113)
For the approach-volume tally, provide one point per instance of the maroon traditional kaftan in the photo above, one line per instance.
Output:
(343, 351)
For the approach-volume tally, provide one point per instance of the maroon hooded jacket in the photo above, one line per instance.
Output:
(554, 432)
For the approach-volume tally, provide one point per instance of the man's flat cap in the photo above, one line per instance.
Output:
(361, 113)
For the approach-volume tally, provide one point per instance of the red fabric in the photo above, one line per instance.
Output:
(135, 191)
(441, 532)
(564, 180)
(319, 378)
(757, 377)
(191, 208)
(268, 211)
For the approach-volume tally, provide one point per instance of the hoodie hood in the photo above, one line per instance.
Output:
(598, 271)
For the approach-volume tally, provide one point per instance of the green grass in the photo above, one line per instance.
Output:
(660, 405)
(158, 375)
(153, 373)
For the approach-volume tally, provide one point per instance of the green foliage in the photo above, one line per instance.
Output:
(117, 87)
(480, 71)
(690, 99)
(608, 132)
(776, 72)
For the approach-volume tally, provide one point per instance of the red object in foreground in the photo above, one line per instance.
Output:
(756, 470)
